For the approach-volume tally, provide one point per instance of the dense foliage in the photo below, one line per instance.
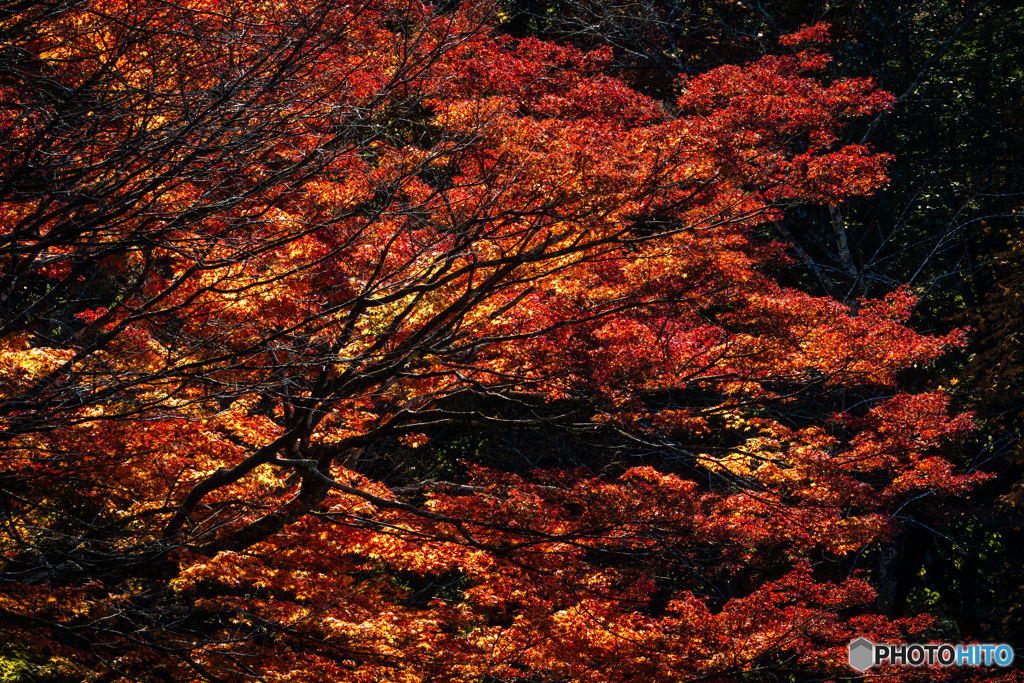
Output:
(394, 342)
(946, 222)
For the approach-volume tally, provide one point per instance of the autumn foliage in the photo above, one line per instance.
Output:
(252, 250)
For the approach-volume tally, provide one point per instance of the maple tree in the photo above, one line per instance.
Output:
(943, 224)
(249, 248)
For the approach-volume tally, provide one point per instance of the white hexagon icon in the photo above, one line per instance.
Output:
(862, 654)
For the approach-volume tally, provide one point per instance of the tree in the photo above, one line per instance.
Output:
(945, 223)
(251, 252)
